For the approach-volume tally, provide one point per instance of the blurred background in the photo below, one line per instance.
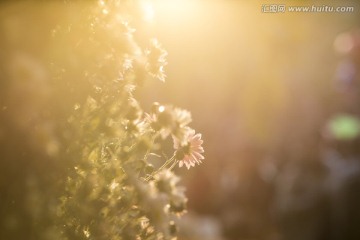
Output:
(262, 89)
(275, 95)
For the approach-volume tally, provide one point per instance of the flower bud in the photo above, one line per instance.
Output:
(173, 228)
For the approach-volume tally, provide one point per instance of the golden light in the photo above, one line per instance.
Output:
(148, 11)
(105, 11)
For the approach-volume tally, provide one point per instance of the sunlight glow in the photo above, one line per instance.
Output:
(148, 11)
(161, 109)
(105, 11)
(101, 3)
(177, 9)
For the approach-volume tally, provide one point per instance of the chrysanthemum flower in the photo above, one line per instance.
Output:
(156, 60)
(169, 120)
(191, 152)
(166, 182)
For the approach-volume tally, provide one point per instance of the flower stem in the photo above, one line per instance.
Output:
(152, 143)
(174, 164)
(172, 159)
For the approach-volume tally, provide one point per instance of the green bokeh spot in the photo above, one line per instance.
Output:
(345, 127)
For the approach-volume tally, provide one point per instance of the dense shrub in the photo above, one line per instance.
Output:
(80, 157)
